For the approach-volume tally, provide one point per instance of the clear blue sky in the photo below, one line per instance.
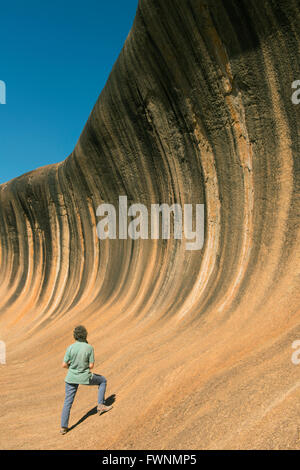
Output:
(55, 57)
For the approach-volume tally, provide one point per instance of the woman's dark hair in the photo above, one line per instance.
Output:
(80, 333)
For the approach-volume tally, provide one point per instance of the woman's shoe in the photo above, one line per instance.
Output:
(103, 408)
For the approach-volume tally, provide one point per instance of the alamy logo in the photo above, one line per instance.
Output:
(2, 352)
(296, 354)
(296, 95)
(141, 228)
(2, 92)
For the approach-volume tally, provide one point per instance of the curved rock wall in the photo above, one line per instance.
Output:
(197, 109)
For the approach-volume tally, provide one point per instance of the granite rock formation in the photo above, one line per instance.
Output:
(196, 345)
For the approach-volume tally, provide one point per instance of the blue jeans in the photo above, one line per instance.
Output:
(71, 390)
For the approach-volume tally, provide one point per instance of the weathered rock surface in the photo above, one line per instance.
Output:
(196, 345)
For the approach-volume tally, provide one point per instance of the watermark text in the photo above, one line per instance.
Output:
(2, 352)
(185, 226)
(296, 354)
(2, 92)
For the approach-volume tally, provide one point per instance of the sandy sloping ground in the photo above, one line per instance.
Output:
(170, 390)
(196, 345)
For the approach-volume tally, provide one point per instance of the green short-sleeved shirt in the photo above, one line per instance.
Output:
(80, 355)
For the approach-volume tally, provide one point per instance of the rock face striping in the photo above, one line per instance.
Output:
(197, 109)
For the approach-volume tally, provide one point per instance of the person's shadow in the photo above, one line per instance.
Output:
(109, 401)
